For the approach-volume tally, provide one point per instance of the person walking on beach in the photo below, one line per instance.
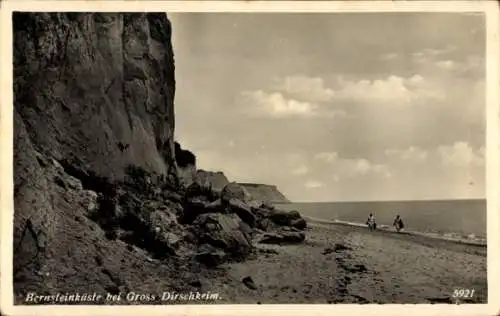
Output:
(398, 223)
(372, 225)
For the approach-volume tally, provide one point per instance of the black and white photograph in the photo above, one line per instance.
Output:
(248, 157)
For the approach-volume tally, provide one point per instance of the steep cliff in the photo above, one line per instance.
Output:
(97, 90)
(264, 192)
(93, 94)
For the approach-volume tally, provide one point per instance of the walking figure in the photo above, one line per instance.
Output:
(372, 225)
(398, 223)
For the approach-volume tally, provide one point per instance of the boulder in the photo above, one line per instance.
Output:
(210, 256)
(254, 204)
(170, 240)
(73, 183)
(261, 212)
(248, 281)
(258, 231)
(267, 205)
(194, 207)
(89, 200)
(267, 225)
(176, 208)
(198, 190)
(189, 236)
(215, 206)
(170, 195)
(194, 190)
(217, 180)
(164, 231)
(257, 204)
(289, 229)
(108, 213)
(68, 182)
(233, 190)
(224, 231)
(163, 219)
(216, 193)
(283, 237)
(245, 228)
(299, 223)
(266, 217)
(161, 240)
(243, 211)
(284, 218)
(201, 205)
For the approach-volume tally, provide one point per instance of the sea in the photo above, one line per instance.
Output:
(448, 219)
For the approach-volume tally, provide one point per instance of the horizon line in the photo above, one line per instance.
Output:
(402, 200)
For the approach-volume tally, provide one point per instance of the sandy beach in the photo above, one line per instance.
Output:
(344, 264)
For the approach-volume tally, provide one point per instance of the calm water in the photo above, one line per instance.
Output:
(458, 217)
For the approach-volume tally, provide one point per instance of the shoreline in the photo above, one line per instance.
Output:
(480, 242)
(346, 264)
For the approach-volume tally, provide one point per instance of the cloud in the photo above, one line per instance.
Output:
(326, 156)
(412, 153)
(361, 167)
(390, 90)
(300, 170)
(472, 64)
(341, 167)
(349, 167)
(432, 53)
(312, 184)
(446, 64)
(293, 96)
(416, 79)
(389, 56)
(461, 154)
(308, 97)
(446, 59)
(311, 89)
(276, 105)
(393, 90)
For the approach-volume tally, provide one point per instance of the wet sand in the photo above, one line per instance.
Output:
(345, 264)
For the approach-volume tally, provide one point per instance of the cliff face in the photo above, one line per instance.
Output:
(93, 93)
(97, 90)
(217, 180)
(264, 192)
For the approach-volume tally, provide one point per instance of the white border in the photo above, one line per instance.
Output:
(491, 10)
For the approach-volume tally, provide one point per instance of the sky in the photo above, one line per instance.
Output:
(335, 106)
